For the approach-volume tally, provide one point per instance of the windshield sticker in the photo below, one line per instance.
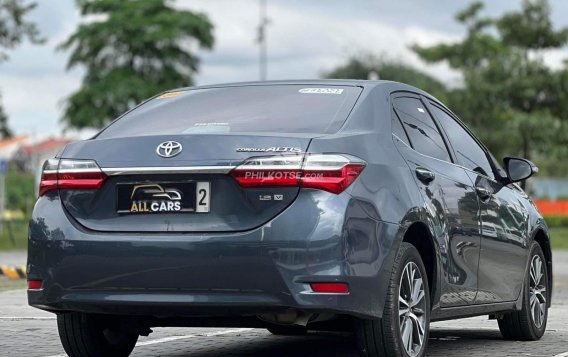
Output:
(271, 149)
(321, 91)
(211, 124)
(170, 95)
(420, 110)
(208, 128)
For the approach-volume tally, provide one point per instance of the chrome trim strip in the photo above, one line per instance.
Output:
(113, 171)
(76, 171)
(447, 162)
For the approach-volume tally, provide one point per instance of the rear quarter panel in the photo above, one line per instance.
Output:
(385, 191)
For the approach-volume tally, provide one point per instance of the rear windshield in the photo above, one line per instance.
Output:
(278, 108)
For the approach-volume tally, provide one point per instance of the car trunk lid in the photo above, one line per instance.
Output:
(141, 187)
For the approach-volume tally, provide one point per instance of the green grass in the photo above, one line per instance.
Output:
(559, 238)
(14, 235)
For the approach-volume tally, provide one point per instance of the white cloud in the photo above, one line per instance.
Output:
(305, 38)
(34, 80)
(302, 44)
(34, 103)
(555, 58)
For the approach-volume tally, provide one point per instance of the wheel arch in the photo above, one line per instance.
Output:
(543, 239)
(420, 237)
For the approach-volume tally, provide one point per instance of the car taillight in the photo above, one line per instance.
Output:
(69, 174)
(34, 284)
(330, 288)
(328, 172)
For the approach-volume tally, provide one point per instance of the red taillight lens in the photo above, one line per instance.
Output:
(34, 284)
(330, 288)
(48, 180)
(333, 181)
(328, 172)
(272, 171)
(70, 175)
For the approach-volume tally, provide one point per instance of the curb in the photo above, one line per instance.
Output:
(12, 272)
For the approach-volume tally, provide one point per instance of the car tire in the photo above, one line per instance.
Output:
(281, 330)
(529, 323)
(384, 337)
(95, 335)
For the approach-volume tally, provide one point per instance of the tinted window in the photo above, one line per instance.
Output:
(422, 132)
(277, 108)
(398, 130)
(469, 153)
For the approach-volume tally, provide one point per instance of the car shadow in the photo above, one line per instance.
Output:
(442, 342)
(265, 344)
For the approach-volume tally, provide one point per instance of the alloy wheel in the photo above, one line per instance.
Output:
(537, 291)
(412, 309)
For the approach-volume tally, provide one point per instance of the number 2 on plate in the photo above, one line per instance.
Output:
(203, 197)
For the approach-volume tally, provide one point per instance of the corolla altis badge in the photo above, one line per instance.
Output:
(169, 149)
(271, 149)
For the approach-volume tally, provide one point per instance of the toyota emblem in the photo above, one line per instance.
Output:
(168, 149)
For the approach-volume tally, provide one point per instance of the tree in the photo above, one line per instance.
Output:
(515, 102)
(359, 67)
(4, 129)
(137, 49)
(14, 28)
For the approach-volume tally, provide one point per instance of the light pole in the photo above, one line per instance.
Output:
(261, 39)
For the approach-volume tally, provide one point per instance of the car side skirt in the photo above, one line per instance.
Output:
(460, 312)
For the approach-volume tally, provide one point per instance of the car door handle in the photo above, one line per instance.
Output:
(425, 175)
(483, 193)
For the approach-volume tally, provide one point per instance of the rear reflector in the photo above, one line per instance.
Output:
(68, 174)
(330, 288)
(328, 172)
(34, 284)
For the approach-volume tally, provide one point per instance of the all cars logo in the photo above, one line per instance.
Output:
(155, 198)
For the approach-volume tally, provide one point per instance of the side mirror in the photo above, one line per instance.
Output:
(519, 169)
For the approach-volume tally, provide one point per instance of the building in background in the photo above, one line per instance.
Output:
(26, 154)
(551, 188)
(30, 156)
(9, 147)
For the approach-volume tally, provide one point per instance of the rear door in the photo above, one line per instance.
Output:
(504, 220)
(449, 198)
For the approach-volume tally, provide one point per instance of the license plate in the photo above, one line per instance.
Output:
(166, 197)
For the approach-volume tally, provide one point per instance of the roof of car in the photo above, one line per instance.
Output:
(331, 82)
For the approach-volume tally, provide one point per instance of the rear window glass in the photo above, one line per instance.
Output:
(279, 108)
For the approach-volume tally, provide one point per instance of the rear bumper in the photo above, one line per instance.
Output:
(320, 238)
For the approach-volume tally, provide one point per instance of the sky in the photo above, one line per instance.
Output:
(305, 38)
